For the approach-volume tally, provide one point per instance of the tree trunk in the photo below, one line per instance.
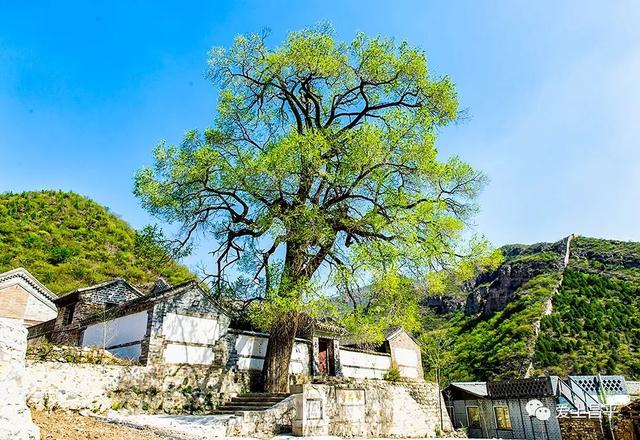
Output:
(276, 363)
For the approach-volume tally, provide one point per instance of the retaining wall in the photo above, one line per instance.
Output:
(367, 409)
(170, 389)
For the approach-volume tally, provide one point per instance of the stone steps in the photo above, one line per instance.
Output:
(250, 402)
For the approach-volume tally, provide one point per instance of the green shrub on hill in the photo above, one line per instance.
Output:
(68, 241)
(594, 328)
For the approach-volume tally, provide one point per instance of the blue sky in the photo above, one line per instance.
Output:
(88, 88)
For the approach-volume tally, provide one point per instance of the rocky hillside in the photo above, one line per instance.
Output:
(68, 241)
(567, 307)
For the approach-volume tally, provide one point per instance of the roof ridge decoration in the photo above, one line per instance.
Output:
(40, 290)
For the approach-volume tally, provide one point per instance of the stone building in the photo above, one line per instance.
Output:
(184, 324)
(25, 298)
(548, 408)
(84, 303)
(169, 324)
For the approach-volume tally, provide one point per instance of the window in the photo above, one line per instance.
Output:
(109, 305)
(68, 314)
(503, 421)
(473, 416)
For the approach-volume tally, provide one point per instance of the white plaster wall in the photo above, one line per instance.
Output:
(252, 350)
(406, 357)
(407, 360)
(300, 358)
(617, 399)
(364, 365)
(251, 346)
(187, 354)
(190, 329)
(249, 363)
(38, 311)
(122, 330)
(408, 372)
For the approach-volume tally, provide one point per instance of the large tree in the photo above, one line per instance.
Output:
(319, 173)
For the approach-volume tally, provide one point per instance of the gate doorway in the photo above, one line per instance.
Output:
(326, 357)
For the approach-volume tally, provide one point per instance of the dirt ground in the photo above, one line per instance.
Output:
(64, 425)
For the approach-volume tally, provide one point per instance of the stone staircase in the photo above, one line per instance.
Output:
(250, 402)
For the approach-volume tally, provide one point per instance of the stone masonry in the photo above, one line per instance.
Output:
(365, 408)
(168, 389)
(15, 417)
(573, 428)
(83, 303)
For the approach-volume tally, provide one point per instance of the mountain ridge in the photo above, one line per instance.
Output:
(567, 307)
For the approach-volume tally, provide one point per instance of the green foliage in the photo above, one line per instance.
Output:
(393, 374)
(59, 254)
(68, 241)
(498, 347)
(594, 327)
(322, 155)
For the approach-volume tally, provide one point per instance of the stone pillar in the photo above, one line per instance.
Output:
(336, 357)
(311, 417)
(153, 343)
(315, 354)
(15, 417)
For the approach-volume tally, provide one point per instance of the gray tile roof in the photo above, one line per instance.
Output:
(478, 389)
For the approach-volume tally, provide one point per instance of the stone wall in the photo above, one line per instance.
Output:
(170, 389)
(427, 395)
(573, 428)
(366, 409)
(15, 418)
(46, 352)
(624, 430)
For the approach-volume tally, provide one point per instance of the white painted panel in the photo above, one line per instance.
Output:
(247, 345)
(249, 363)
(362, 373)
(408, 372)
(300, 358)
(187, 354)
(118, 331)
(130, 352)
(182, 328)
(405, 356)
(365, 360)
(252, 350)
